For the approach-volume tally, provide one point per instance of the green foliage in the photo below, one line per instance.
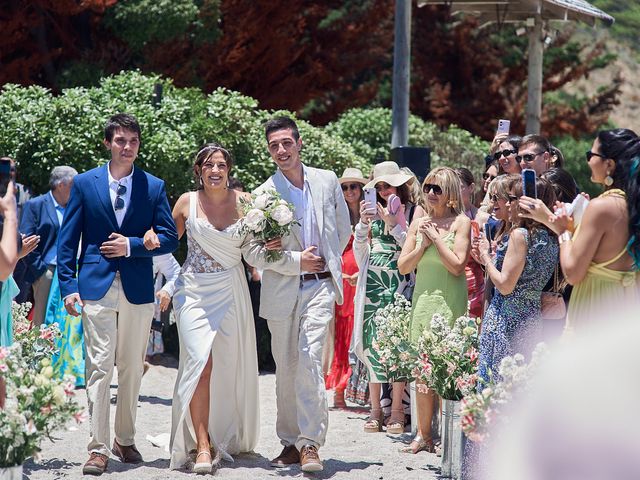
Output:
(627, 15)
(139, 22)
(42, 131)
(369, 132)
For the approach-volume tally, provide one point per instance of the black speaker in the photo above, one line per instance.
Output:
(418, 159)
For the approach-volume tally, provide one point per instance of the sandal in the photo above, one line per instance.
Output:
(203, 467)
(374, 423)
(418, 444)
(396, 422)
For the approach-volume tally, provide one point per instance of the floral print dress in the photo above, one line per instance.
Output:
(383, 281)
(512, 322)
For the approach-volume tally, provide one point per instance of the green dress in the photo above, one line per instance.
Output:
(383, 281)
(436, 291)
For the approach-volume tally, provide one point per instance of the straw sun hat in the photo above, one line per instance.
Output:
(388, 172)
(352, 175)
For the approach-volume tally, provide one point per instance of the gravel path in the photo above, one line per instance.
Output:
(348, 454)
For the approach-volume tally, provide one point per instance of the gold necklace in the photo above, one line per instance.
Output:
(614, 191)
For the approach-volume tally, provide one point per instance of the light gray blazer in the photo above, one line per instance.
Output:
(281, 279)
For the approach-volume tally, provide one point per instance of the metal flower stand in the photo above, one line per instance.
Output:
(452, 440)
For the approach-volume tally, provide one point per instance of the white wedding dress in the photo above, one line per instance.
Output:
(214, 317)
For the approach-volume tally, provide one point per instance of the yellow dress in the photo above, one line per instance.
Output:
(602, 290)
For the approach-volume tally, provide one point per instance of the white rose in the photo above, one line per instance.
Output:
(254, 220)
(282, 215)
(283, 202)
(58, 395)
(262, 201)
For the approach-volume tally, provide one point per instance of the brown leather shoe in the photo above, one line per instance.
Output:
(310, 460)
(288, 456)
(127, 454)
(96, 465)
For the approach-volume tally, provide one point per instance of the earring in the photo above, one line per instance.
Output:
(608, 181)
(201, 182)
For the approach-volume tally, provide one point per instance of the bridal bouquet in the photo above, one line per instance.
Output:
(36, 402)
(480, 410)
(268, 216)
(396, 356)
(448, 357)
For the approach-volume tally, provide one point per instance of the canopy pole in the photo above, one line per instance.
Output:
(401, 72)
(534, 82)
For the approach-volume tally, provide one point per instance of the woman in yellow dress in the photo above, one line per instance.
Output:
(601, 255)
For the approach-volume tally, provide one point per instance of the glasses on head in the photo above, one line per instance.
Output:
(590, 154)
(382, 186)
(428, 187)
(504, 153)
(486, 176)
(350, 186)
(119, 203)
(528, 157)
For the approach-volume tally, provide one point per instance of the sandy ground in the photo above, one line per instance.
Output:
(348, 453)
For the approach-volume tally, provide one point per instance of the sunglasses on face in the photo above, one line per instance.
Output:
(485, 176)
(382, 186)
(590, 154)
(528, 157)
(509, 198)
(428, 187)
(350, 186)
(505, 153)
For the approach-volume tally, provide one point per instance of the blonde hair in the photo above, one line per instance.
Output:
(502, 184)
(449, 182)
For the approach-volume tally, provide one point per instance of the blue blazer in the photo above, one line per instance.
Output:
(89, 215)
(39, 217)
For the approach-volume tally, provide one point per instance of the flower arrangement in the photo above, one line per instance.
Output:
(396, 355)
(447, 358)
(268, 216)
(36, 404)
(481, 409)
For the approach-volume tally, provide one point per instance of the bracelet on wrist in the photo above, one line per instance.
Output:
(564, 237)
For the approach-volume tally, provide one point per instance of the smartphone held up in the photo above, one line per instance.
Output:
(5, 175)
(529, 188)
(503, 126)
(371, 197)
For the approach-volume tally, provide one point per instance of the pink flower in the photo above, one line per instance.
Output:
(81, 416)
(472, 354)
(4, 352)
(46, 410)
(3, 367)
(46, 334)
(69, 389)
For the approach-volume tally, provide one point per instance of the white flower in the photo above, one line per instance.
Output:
(254, 220)
(283, 202)
(59, 395)
(262, 201)
(282, 214)
(30, 428)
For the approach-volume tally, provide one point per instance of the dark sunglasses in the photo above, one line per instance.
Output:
(119, 203)
(350, 186)
(590, 154)
(506, 153)
(528, 157)
(430, 186)
(488, 175)
(495, 198)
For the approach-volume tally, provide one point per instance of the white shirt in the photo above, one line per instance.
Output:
(113, 192)
(305, 214)
(164, 266)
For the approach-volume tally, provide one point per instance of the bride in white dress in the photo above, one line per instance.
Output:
(215, 401)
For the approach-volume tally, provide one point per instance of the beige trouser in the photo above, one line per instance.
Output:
(114, 331)
(41, 289)
(297, 343)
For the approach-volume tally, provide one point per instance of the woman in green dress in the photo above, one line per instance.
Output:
(378, 239)
(438, 245)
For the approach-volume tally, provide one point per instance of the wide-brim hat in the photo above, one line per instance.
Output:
(389, 172)
(352, 175)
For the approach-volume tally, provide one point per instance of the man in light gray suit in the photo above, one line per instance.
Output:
(299, 292)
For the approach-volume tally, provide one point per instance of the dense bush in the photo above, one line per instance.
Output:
(369, 132)
(41, 130)
(574, 151)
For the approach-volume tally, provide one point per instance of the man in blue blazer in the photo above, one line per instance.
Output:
(110, 209)
(42, 216)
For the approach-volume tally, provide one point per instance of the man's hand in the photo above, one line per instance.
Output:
(29, 244)
(274, 244)
(115, 247)
(310, 262)
(70, 304)
(151, 240)
(165, 299)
